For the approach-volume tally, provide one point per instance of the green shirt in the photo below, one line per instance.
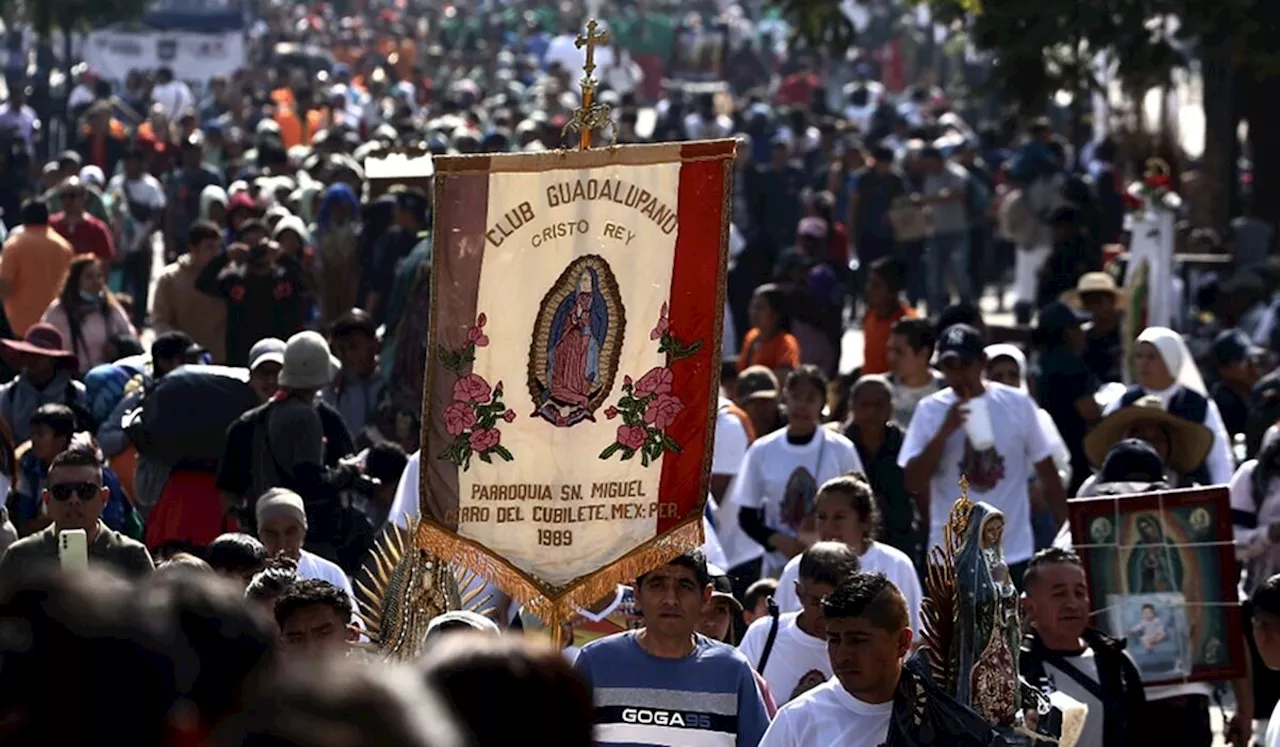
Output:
(109, 548)
(649, 34)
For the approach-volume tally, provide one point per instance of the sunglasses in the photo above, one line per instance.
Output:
(83, 490)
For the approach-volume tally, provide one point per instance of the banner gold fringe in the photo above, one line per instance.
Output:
(555, 607)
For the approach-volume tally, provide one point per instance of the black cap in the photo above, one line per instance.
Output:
(1132, 460)
(1057, 316)
(171, 345)
(1233, 346)
(962, 342)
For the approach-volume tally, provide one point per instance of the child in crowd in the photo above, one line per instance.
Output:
(886, 285)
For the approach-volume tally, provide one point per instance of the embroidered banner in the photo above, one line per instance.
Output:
(572, 382)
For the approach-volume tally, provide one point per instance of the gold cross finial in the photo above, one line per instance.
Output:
(590, 40)
(590, 115)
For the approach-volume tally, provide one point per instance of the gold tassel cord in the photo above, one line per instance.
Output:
(549, 604)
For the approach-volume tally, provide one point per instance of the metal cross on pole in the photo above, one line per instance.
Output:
(590, 115)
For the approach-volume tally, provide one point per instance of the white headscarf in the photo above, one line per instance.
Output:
(1177, 358)
(1010, 351)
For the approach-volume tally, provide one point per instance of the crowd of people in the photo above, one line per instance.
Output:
(233, 430)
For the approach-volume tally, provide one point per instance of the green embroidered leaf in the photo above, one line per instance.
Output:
(669, 443)
(501, 451)
(610, 450)
(644, 458)
(484, 457)
(627, 454)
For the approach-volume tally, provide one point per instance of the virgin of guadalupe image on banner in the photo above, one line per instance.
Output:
(573, 373)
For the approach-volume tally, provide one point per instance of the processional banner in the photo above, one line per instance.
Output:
(572, 380)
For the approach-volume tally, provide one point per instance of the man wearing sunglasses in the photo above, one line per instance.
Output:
(74, 498)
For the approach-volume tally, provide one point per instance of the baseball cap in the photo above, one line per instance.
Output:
(266, 350)
(1233, 346)
(1057, 316)
(960, 342)
(757, 382)
(722, 587)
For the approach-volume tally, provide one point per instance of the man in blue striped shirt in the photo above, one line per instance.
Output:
(664, 685)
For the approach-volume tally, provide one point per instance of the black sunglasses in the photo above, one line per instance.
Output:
(83, 490)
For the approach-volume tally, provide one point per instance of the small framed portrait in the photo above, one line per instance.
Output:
(1156, 629)
(1162, 576)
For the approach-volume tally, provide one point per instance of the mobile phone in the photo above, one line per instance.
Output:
(73, 549)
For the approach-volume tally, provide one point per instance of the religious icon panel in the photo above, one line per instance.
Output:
(1162, 576)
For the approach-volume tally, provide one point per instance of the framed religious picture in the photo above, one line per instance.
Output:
(1162, 576)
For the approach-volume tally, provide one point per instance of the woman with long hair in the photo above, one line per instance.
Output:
(87, 314)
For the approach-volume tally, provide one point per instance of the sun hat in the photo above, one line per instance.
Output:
(307, 362)
(1189, 442)
(40, 339)
(1093, 282)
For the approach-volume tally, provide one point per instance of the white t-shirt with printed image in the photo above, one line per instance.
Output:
(798, 662)
(828, 715)
(782, 479)
(998, 476)
(879, 558)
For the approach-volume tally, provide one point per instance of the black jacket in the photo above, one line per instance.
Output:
(1119, 683)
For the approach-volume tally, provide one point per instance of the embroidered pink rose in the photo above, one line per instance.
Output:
(657, 381)
(509, 416)
(662, 411)
(459, 417)
(611, 412)
(663, 326)
(632, 436)
(484, 439)
(472, 388)
(476, 335)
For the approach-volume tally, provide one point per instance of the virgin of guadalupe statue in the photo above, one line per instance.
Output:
(989, 636)
(1154, 565)
(578, 332)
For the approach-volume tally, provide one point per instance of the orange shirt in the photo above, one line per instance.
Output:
(875, 338)
(779, 351)
(292, 131)
(33, 264)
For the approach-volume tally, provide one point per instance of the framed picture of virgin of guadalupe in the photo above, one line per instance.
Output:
(1162, 576)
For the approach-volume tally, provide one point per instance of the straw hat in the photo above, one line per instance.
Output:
(1189, 442)
(1093, 282)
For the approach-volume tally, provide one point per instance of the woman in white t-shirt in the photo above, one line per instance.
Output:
(845, 511)
(781, 472)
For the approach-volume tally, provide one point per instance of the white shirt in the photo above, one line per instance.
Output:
(998, 476)
(1091, 734)
(174, 97)
(783, 478)
(730, 442)
(1219, 462)
(879, 558)
(404, 508)
(1273, 729)
(146, 191)
(312, 566)
(798, 662)
(828, 715)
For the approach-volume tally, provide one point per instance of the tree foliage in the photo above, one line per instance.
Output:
(74, 15)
